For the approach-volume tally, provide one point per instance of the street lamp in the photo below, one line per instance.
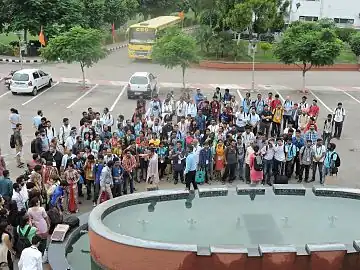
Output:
(19, 35)
(253, 47)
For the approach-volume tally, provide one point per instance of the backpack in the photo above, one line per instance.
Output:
(22, 241)
(33, 146)
(12, 141)
(337, 161)
(258, 163)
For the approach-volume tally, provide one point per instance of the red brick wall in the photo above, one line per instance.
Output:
(115, 256)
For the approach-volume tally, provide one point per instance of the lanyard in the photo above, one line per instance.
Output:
(316, 151)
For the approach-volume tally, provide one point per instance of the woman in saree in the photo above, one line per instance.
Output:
(72, 177)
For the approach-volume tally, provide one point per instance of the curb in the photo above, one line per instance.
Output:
(34, 61)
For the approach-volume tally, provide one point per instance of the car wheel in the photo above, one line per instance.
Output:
(49, 84)
(34, 91)
(14, 93)
(129, 97)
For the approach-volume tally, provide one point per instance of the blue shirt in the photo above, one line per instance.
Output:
(190, 163)
(205, 157)
(55, 197)
(298, 142)
(311, 135)
(37, 121)
(290, 150)
(201, 122)
(116, 172)
(330, 158)
(198, 97)
(97, 172)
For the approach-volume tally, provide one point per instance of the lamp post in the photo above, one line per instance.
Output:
(19, 35)
(253, 44)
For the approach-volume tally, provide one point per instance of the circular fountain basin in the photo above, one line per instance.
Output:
(167, 229)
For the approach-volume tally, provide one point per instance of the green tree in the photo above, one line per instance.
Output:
(239, 18)
(203, 36)
(77, 45)
(307, 45)
(175, 49)
(355, 45)
(154, 8)
(94, 13)
(265, 47)
(119, 11)
(345, 34)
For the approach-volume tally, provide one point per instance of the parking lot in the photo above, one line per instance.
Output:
(69, 100)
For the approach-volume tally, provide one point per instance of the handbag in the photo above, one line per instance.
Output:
(200, 176)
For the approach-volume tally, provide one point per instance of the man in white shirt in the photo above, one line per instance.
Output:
(157, 128)
(31, 258)
(279, 158)
(183, 126)
(191, 108)
(17, 197)
(213, 126)
(254, 120)
(318, 153)
(249, 151)
(65, 131)
(98, 123)
(180, 109)
(248, 137)
(241, 118)
(107, 119)
(339, 118)
(70, 141)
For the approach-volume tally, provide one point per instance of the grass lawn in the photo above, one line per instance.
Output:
(7, 38)
(346, 56)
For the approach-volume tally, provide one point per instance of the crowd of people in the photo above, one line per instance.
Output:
(192, 140)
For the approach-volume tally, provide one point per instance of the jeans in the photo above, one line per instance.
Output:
(320, 166)
(289, 168)
(296, 165)
(117, 188)
(162, 166)
(89, 185)
(265, 128)
(190, 179)
(279, 167)
(268, 170)
(326, 138)
(176, 175)
(96, 192)
(207, 171)
(305, 168)
(275, 130)
(338, 129)
(241, 169)
(247, 173)
(286, 120)
(128, 180)
(229, 172)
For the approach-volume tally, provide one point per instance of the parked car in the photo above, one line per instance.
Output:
(142, 84)
(29, 81)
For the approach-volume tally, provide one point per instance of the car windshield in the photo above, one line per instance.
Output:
(23, 77)
(138, 80)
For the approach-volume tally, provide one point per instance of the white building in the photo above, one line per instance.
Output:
(345, 13)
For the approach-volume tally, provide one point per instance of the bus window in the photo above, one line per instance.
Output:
(142, 36)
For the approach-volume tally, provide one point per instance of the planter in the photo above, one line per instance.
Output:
(247, 66)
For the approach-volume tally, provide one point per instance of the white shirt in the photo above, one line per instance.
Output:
(339, 114)
(279, 152)
(318, 152)
(157, 129)
(249, 151)
(108, 120)
(64, 133)
(50, 133)
(69, 143)
(213, 128)
(253, 118)
(241, 119)
(191, 109)
(183, 127)
(98, 125)
(18, 198)
(197, 150)
(30, 259)
(248, 138)
(181, 108)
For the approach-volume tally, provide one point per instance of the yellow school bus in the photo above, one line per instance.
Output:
(142, 35)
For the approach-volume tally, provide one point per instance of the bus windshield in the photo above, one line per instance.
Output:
(142, 37)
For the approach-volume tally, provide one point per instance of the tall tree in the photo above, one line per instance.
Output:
(154, 8)
(94, 13)
(80, 45)
(119, 11)
(307, 45)
(355, 45)
(240, 17)
(175, 49)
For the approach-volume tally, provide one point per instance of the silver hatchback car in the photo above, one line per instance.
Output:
(142, 84)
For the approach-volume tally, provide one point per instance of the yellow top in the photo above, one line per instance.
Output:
(155, 142)
(277, 115)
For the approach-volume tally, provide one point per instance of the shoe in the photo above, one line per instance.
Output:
(312, 180)
(269, 183)
(88, 198)
(175, 182)
(94, 204)
(299, 181)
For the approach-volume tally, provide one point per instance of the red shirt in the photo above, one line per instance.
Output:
(274, 103)
(314, 110)
(215, 107)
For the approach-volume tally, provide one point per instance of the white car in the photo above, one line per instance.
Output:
(29, 81)
(142, 84)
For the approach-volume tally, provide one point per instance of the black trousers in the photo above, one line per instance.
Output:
(286, 120)
(338, 129)
(230, 170)
(190, 179)
(305, 168)
(178, 174)
(265, 128)
(275, 129)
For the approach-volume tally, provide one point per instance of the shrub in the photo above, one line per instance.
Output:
(5, 49)
(265, 47)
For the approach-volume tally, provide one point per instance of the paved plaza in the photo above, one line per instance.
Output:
(107, 79)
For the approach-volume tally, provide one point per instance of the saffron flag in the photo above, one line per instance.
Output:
(42, 37)
(181, 14)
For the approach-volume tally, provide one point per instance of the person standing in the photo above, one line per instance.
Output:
(268, 153)
(6, 247)
(190, 168)
(256, 166)
(31, 257)
(277, 113)
(305, 155)
(339, 118)
(328, 129)
(249, 151)
(205, 163)
(266, 117)
(65, 131)
(72, 176)
(290, 156)
(6, 185)
(14, 118)
(288, 107)
(108, 119)
(318, 154)
(129, 165)
(106, 181)
(241, 149)
(18, 144)
(180, 109)
(230, 161)
(153, 170)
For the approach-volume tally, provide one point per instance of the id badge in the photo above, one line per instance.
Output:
(161, 161)
(179, 161)
(308, 160)
(54, 164)
(207, 162)
(219, 158)
(215, 110)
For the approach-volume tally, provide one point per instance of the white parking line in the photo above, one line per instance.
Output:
(81, 97)
(6, 93)
(239, 94)
(346, 93)
(41, 93)
(117, 99)
(326, 107)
